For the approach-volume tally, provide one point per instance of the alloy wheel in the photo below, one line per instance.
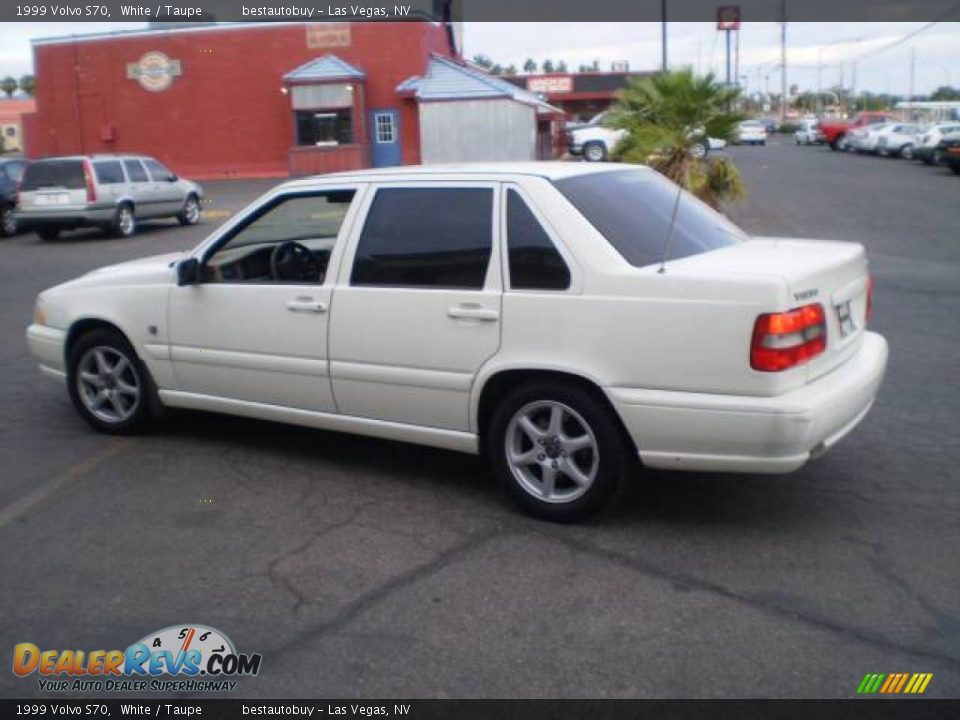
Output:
(108, 384)
(551, 451)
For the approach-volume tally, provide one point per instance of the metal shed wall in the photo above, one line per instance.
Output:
(477, 130)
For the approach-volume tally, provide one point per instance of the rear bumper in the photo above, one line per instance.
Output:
(64, 218)
(47, 346)
(728, 433)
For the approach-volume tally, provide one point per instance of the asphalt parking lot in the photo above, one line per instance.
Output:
(365, 568)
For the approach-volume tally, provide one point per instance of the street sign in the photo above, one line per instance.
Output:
(728, 17)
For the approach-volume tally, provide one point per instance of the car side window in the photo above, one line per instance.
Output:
(426, 237)
(535, 263)
(158, 171)
(109, 172)
(288, 240)
(135, 171)
(14, 170)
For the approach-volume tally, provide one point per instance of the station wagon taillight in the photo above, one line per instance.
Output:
(88, 180)
(785, 340)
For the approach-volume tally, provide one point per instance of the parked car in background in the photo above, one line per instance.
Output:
(751, 132)
(808, 132)
(11, 171)
(949, 149)
(421, 298)
(111, 192)
(896, 140)
(926, 144)
(861, 139)
(770, 125)
(595, 141)
(835, 131)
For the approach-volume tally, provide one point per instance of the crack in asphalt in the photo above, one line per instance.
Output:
(802, 616)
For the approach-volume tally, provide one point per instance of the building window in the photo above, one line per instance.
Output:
(324, 127)
(386, 132)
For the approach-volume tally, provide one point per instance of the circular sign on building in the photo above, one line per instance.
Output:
(154, 71)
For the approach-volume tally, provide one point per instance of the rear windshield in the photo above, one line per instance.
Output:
(632, 210)
(54, 173)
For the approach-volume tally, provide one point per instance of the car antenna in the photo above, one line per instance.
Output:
(673, 221)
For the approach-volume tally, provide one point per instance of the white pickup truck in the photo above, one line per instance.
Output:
(595, 141)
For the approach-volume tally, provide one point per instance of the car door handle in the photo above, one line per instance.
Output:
(473, 312)
(306, 305)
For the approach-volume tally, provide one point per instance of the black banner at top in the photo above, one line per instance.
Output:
(179, 11)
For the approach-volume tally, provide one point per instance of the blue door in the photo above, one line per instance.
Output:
(385, 132)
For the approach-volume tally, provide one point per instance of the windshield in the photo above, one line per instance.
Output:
(632, 210)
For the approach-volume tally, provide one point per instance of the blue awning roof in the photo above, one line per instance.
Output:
(325, 68)
(446, 79)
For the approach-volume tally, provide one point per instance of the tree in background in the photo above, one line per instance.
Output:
(9, 86)
(496, 69)
(28, 83)
(561, 67)
(510, 70)
(547, 66)
(530, 66)
(945, 93)
(667, 118)
(482, 61)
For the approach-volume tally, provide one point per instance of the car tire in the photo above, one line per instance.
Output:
(558, 450)
(8, 221)
(906, 152)
(48, 233)
(190, 212)
(835, 144)
(936, 157)
(594, 152)
(699, 150)
(108, 384)
(124, 223)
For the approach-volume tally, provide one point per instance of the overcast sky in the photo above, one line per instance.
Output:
(835, 45)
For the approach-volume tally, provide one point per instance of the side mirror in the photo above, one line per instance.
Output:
(188, 272)
(172, 177)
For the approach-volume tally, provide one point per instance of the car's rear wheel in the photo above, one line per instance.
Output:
(124, 221)
(906, 152)
(8, 221)
(558, 450)
(190, 212)
(594, 152)
(109, 385)
(48, 233)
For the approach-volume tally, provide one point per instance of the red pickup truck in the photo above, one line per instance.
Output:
(835, 131)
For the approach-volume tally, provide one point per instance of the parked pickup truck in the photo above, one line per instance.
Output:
(835, 131)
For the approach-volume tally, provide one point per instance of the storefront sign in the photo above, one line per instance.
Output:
(328, 35)
(154, 71)
(548, 85)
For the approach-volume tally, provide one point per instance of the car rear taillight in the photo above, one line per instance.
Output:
(784, 340)
(869, 297)
(88, 180)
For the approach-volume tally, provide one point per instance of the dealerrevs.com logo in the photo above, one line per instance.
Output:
(199, 657)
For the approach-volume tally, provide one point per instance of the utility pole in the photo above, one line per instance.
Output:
(783, 61)
(663, 34)
(913, 77)
(729, 79)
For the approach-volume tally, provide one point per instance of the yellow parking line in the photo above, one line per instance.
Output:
(78, 469)
(217, 213)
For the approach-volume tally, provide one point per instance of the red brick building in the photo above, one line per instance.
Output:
(243, 99)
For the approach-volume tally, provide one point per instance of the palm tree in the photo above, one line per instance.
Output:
(668, 118)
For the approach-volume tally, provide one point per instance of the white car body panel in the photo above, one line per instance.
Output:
(394, 363)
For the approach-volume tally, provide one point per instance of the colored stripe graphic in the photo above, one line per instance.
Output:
(894, 683)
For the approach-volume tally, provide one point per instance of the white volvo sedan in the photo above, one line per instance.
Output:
(565, 319)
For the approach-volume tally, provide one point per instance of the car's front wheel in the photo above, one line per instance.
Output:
(558, 450)
(8, 221)
(906, 152)
(190, 212)
(108, 384)
(594, 152)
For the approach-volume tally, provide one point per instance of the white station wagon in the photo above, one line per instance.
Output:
(565, 319)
